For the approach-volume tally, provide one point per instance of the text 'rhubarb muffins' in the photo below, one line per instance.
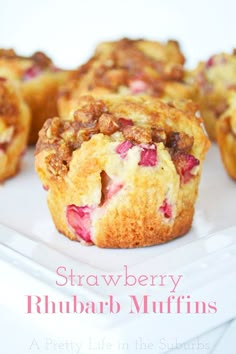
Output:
(122, 171)
(14, 128)
(39, 81)
(129, 67)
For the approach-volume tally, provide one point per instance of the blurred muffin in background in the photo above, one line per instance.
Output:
(214, 78)
(14, 128)
(39, 81)
(129, 67)
(226, 135)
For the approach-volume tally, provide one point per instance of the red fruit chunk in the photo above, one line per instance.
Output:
(184, 164)
(138, 86)
(112, 189)
(123, 122)
(79, 219)
(215, 60)
(190, 163)
(31, 73)
(46, 188)
(109, 187)
(166, 209)
(148, 156)
(3, 79)
(210, 62)
(123, 148)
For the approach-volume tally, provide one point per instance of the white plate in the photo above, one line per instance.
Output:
(205, 256)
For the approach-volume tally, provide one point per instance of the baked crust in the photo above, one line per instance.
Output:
(226, 136)
(41, 96)
(14, 128)
(214, 78)
(129, 67)
(132, 185)
(39, 81)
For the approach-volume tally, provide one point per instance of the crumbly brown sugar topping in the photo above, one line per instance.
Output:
(128, 63)
(127, 55)
(93, 117)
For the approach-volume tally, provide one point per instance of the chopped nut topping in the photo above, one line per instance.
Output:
(110, 78)
(107, 125)
(158, 135)
(41, 60)
(179, 142)
(58, 162)
(125, 61)
(92, 117)
(82, 116)
(138, 134)
(53, 128)
(89, 109)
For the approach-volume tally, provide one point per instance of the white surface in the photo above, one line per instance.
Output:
(205, 257)
(224, 345)
(48, 335)
(68, 31)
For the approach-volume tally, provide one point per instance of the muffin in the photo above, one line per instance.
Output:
(226, 136)
(214, 78)
(14, 128)
(122, 172)
(39, 82)
(129, 67)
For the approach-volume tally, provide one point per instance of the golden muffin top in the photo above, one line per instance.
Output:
(130, 120)
(14, 66)
(129, 67)
(218, 73)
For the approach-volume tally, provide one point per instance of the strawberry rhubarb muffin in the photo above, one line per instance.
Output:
(122, 172)
(214, 79)
(39, 82)
(14, 128)
(129, 67)
(226, 136)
